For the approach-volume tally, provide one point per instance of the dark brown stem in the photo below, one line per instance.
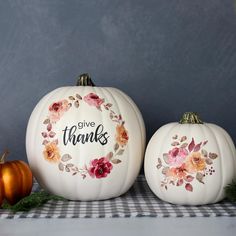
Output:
(85, 80)
(190, 118)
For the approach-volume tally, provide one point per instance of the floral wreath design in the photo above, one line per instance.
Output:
(99, 167)
(186, 162)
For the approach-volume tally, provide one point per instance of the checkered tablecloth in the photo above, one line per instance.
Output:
(139, 201)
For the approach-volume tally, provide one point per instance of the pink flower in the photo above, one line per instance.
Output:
(93, 100)
(176, 156)
(57, 109)
(100, 168)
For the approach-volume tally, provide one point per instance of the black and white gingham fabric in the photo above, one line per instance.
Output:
(139, 201)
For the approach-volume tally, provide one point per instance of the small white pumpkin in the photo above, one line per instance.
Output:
(85, 142)
(190, 162)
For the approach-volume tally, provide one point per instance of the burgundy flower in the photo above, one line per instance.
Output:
(57, 109)
(93, 100)
(100, 168)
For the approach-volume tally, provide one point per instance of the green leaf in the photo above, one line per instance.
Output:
(230, 191)
(32, 201)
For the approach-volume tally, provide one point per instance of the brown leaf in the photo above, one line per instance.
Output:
(175, 143)
(159, 160)
(66, 157)
(208, 161)
(49, 127)
(109, 155)
(74, 173)
(78, 96)
(189, 187)
(213, 155)
(183, 139)
(67, 169)
(47, 121)
(165, 170)
(61, 166)
(158, 166)
(184, 145)
(204, 143)
(116, 161)
(76, 103)
(191, 145)
(71, 98)
(116, 146)
(109, 105)
(45, 142)
(120, 152)
(69, 165)
(175, 136)
(52, 134)
(199, 177)
(44, 134)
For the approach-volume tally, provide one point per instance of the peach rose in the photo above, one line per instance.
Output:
(57, 109)
(195, 162)
(177, 172)
(51, 152)
(121, 135)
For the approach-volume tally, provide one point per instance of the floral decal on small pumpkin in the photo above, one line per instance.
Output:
(185, 162)
(98, 167)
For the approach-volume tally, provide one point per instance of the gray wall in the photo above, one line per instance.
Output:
(169, 56)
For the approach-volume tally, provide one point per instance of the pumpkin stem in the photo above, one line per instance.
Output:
(85, 80)
(3, 156)
(190, 118)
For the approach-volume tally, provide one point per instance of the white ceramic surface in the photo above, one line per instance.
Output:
(190, 163)
(79, 178)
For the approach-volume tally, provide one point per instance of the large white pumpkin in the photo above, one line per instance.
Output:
(190, 162)
(85, 142)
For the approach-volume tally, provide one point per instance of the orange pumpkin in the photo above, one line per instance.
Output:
(16, 180)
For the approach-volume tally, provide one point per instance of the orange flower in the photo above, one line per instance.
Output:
(195, 163)
(121, 135)
(177, 172)
(51, 152)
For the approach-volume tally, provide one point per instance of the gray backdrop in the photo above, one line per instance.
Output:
(169, 56)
